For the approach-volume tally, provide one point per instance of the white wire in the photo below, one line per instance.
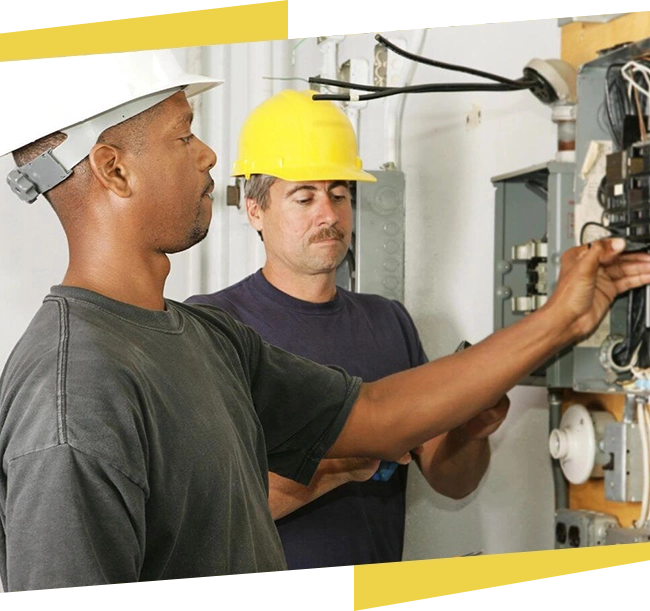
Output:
(633, 66)
(644, 427)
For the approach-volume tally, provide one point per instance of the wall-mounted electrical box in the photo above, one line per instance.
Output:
(582, 528)
(533, 227)
(544, 210)
(375, 262)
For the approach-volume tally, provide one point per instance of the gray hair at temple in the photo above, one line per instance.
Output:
(257, 187)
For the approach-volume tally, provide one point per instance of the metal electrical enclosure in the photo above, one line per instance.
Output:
(375, 263)
(541, 212)
(533, 227)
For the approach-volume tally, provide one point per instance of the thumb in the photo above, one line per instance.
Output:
(605, 251)
(405, 460)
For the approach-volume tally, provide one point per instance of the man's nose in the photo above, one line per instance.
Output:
(207, 157)
(327, 212)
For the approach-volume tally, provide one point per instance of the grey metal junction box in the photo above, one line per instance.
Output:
(534, 212)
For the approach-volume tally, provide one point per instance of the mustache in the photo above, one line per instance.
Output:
(327, 233)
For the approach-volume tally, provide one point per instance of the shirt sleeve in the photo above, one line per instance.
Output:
(72, 520)
(302, 407)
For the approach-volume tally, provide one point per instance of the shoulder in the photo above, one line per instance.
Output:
(376, 305)
(230, 299)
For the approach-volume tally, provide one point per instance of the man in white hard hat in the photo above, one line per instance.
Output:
(299, 156)
(136, 432)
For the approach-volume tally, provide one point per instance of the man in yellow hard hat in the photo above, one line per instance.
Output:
(299, 157)
(136, 433)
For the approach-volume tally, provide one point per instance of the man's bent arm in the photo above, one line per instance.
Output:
(454, 463)
(285, 495)
(454, 467)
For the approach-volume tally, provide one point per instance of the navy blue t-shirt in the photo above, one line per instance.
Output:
(370, 337)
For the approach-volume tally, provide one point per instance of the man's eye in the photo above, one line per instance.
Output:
(187, 139)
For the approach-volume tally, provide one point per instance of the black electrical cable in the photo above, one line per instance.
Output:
(445, 66)
(636, 330)
(429, 88)
(317, 80)
(612, 232)
(616, 123)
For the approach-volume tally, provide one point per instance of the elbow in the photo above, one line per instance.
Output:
(454, 492)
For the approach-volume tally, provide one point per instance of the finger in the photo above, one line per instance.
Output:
(640, 257)
(494, 414)
(631, 282)
(587, 256)
(608, 249)
(625, 267)
(406, 459)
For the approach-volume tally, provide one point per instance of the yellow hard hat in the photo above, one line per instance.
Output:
(292, 137)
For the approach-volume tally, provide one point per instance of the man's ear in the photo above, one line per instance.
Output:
(107, 165)
(255, 214)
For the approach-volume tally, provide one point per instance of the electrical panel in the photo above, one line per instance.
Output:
(375, 262)
(544, 210)
(532, 209)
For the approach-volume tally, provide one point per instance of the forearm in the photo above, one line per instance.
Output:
(285, 495)
(454, 465)
(402, 411)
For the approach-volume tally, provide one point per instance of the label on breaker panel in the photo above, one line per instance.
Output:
(589, 209)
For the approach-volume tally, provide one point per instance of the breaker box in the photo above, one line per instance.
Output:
(542, 211)
(375, 261)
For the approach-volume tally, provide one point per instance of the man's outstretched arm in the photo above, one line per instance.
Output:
(404, 410)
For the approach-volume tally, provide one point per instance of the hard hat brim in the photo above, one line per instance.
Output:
(308, 174)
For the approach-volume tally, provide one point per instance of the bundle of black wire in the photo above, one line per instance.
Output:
(500, 83)
(637, 336)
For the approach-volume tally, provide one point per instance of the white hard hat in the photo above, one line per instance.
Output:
(80, 96)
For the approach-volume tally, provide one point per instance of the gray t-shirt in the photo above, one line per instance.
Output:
(135, 444)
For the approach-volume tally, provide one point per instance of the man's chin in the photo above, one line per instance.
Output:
(197, 235)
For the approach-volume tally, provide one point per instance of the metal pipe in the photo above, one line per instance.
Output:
(560, 485)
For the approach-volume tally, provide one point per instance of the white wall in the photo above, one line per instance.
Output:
(449, 243)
